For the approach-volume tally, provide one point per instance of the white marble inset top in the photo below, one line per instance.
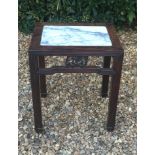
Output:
(75, 36)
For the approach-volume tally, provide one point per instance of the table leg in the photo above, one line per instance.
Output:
(33, 61)
(42, 77)
(105, 78)
(115, 83)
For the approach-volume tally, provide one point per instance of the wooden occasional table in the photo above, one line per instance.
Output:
(75, 40)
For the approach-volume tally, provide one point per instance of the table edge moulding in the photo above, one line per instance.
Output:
(36, 48)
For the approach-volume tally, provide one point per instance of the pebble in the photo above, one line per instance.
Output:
(95, 139)
(78, 113)
(67, 103)
(68, 136)
(56, 147)
(50, 152)
(130, 109)
(51, 107)
(76, 153)
(20, 119)
(82, 152)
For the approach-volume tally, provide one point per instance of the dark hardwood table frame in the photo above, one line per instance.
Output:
(38, 71)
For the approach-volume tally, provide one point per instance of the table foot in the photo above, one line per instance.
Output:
(39, 130)
(110, 128)
(104, 95)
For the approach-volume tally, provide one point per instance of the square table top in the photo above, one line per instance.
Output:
(75, 36)
(74, 39)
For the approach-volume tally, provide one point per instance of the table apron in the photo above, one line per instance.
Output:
(96, 53)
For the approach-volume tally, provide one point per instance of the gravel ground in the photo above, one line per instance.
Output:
(74, 113)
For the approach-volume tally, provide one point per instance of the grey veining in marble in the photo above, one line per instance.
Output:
(75, 36)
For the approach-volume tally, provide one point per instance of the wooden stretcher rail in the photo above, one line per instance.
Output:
(88, 69)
